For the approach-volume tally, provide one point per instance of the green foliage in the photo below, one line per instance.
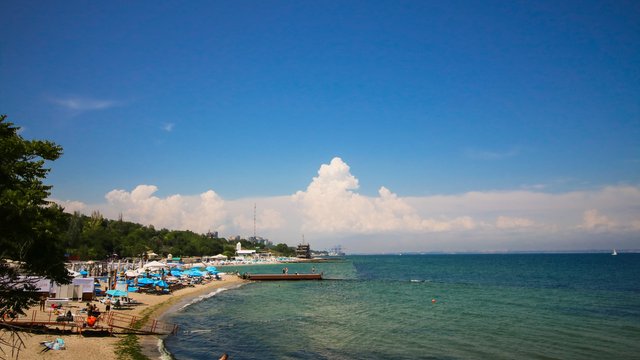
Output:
(94, 237)
(31, 227)
(128, 348)
(284, 250)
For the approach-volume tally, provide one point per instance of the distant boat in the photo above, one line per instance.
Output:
(614, 253)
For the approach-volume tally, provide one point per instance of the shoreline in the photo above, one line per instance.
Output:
(80, 347)
(150, 344)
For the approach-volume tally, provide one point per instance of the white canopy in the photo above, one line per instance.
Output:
(219, 257)
(155, 264)
(132, 273)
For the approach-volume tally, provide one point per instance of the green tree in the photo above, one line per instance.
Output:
(284, 250)
(31, 227)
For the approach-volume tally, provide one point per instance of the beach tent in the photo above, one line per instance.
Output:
(117, 293)
(219, 257)
(154, 265)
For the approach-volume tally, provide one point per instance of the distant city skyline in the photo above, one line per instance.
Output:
(454, 126)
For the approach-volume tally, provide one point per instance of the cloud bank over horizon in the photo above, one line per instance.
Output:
(331, 211)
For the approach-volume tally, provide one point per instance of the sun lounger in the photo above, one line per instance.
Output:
(58, 344)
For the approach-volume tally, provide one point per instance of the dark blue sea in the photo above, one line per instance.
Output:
(511, 306)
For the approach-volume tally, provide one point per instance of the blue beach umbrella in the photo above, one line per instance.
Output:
(145, 281)
(117, 293)
(176, 272)
(194, 272)
(161, 283)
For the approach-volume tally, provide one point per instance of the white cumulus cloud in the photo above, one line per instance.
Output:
(331, 211)
(330, 204)
(197, 213)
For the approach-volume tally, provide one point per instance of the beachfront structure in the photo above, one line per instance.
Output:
(242, 253)
(303, 251)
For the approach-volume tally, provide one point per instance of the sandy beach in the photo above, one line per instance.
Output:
(104, 348)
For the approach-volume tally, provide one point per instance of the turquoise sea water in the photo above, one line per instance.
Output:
(516, 306)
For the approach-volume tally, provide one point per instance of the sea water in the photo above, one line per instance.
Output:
(511, 306)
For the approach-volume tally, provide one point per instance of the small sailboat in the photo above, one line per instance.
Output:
(614, 253)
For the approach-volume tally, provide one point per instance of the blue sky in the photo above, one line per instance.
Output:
(429, 100)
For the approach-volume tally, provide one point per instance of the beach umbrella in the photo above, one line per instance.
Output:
(176, 272)
(220, 257)
(131, 273)
(154, 265)
(197, 265)
(161, 284)
(117, 293)
(145, 281)
(194, 272)
(211, 268)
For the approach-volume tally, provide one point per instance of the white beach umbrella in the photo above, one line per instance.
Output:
(131, 273)
(154, 265)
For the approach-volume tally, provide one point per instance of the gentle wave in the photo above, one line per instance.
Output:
(164, 353)
(162, 349)
(208, 295)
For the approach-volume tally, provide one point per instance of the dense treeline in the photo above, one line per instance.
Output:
(94, 237)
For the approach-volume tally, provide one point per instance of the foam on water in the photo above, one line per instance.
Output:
(208, 295)
(162, 350)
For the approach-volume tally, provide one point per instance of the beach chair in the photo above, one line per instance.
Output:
(58, 344)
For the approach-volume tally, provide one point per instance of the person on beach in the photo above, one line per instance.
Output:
(89, 309)
(107, 305)
(91, 320)
(43, 300)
